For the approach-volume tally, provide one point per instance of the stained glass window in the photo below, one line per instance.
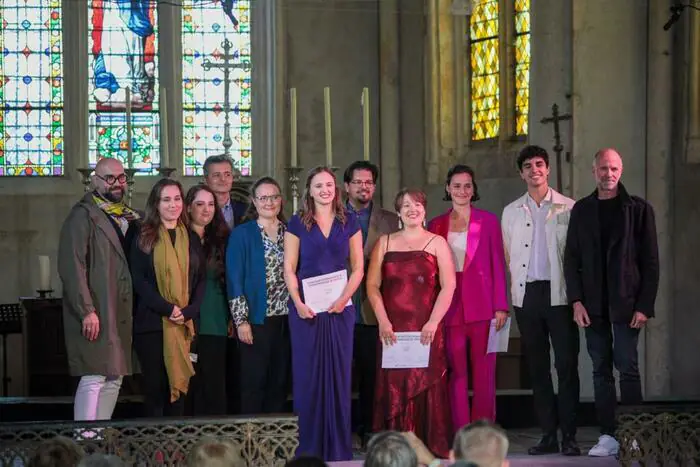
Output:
(31, 88)
(216, 42)
(522, 65)
(123, 53)
(483, 32)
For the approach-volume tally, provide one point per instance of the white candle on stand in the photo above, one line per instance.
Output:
(365, 123)
(327, 115)
(293, 124)
(129, 150)
(44, 273)
(164, 149)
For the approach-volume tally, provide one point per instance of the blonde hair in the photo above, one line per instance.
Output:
(211, 452)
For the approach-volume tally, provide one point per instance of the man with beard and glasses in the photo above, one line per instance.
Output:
(360, 183)
(97, 291)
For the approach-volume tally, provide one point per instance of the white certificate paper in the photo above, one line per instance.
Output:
(320, 292)
(407, 352)
(498, 340)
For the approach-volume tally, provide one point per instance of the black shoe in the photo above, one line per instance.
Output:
(569, 447)
(547, 445)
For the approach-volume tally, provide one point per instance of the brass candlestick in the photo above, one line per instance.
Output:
(166, 172)
(294, 185)
(85, 174)
(130, 173)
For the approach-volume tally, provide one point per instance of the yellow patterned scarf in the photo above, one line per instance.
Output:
(172, 266)
(120, 212)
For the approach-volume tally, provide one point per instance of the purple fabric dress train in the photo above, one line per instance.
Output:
(322, 348)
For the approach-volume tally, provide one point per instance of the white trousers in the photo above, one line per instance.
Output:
(96, 397)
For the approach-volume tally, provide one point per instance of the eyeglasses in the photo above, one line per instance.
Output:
(366, 183)
(111, 179)
(265, 199)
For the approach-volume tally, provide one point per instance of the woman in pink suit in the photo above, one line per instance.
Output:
(474, 235)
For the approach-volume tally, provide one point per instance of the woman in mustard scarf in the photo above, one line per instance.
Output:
(168, 272)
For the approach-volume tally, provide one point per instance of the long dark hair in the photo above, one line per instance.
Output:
(252, 212)
(148, 236)
(308, 208)
(215, 234)
(461, 169)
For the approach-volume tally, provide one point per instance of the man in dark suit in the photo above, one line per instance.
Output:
(219, 175)
(611, 268)
(360, 183)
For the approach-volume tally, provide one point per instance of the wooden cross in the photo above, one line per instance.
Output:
(558, 148)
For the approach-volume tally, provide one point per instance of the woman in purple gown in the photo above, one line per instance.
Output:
(320, 240)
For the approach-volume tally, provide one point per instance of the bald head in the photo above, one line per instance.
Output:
(109, 179)
(607, 170)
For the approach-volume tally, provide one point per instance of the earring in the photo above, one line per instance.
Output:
(425, 224)
(400, 224)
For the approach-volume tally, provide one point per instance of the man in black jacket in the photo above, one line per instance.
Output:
(611, 267)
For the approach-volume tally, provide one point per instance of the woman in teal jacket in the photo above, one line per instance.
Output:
(258, 301)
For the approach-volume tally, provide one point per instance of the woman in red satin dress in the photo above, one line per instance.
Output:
(410, 282)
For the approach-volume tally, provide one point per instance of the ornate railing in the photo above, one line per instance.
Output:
(263, 441)
(659, 435)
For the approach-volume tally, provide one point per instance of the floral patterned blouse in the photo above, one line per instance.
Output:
(277, 294)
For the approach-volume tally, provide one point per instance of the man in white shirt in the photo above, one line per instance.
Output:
(534, 233)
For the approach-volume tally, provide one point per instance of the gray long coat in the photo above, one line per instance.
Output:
(95, 274)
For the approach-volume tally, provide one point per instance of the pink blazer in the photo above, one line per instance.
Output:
(483, 284)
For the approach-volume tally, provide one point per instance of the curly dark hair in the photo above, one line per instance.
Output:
(530, 152)
(308, 208)
(148, 234)
(215, 234)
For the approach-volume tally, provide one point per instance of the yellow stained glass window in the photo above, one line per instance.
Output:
(483, 39)
(522, 65)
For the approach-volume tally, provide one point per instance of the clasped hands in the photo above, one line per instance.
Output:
(176, 316)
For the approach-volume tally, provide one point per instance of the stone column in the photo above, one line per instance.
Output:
(657, 378)
(693, 141)
(390, 142)
(170, 76)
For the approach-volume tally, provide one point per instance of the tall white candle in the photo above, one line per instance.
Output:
(293, 124)
(44, 272)
(365, 123)
(129, 145)
(164, 148)
(327, 115)
(295, 204)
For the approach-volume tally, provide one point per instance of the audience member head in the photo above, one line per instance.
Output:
(411, 205)
(109, 179)
(460, 185)
(390, 449)
(482, 443)
(214, 453)
(101, 460)
(57, 452)
(321, 192)
(360, 182)
(306, 461)
(265, 200)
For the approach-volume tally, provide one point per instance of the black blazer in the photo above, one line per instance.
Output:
(633, 258)
(149, 305)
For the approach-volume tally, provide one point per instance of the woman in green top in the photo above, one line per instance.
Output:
(209, 384)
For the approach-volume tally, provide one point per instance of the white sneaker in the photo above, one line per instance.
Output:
(607, 446)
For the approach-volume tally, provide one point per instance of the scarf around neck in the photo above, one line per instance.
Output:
(171, 264)
(120, 212)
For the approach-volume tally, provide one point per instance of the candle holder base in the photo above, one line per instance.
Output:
(166, 172)
(85, 174)
(294, 185)
(130, 173)
(334, 169)
(44, 294)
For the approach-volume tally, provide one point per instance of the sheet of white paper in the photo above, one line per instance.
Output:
(320, 292)
(408, 352)
(498, 340)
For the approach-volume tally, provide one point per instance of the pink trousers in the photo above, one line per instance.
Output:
(471, 339)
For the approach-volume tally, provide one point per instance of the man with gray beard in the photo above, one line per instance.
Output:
(97, 291)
